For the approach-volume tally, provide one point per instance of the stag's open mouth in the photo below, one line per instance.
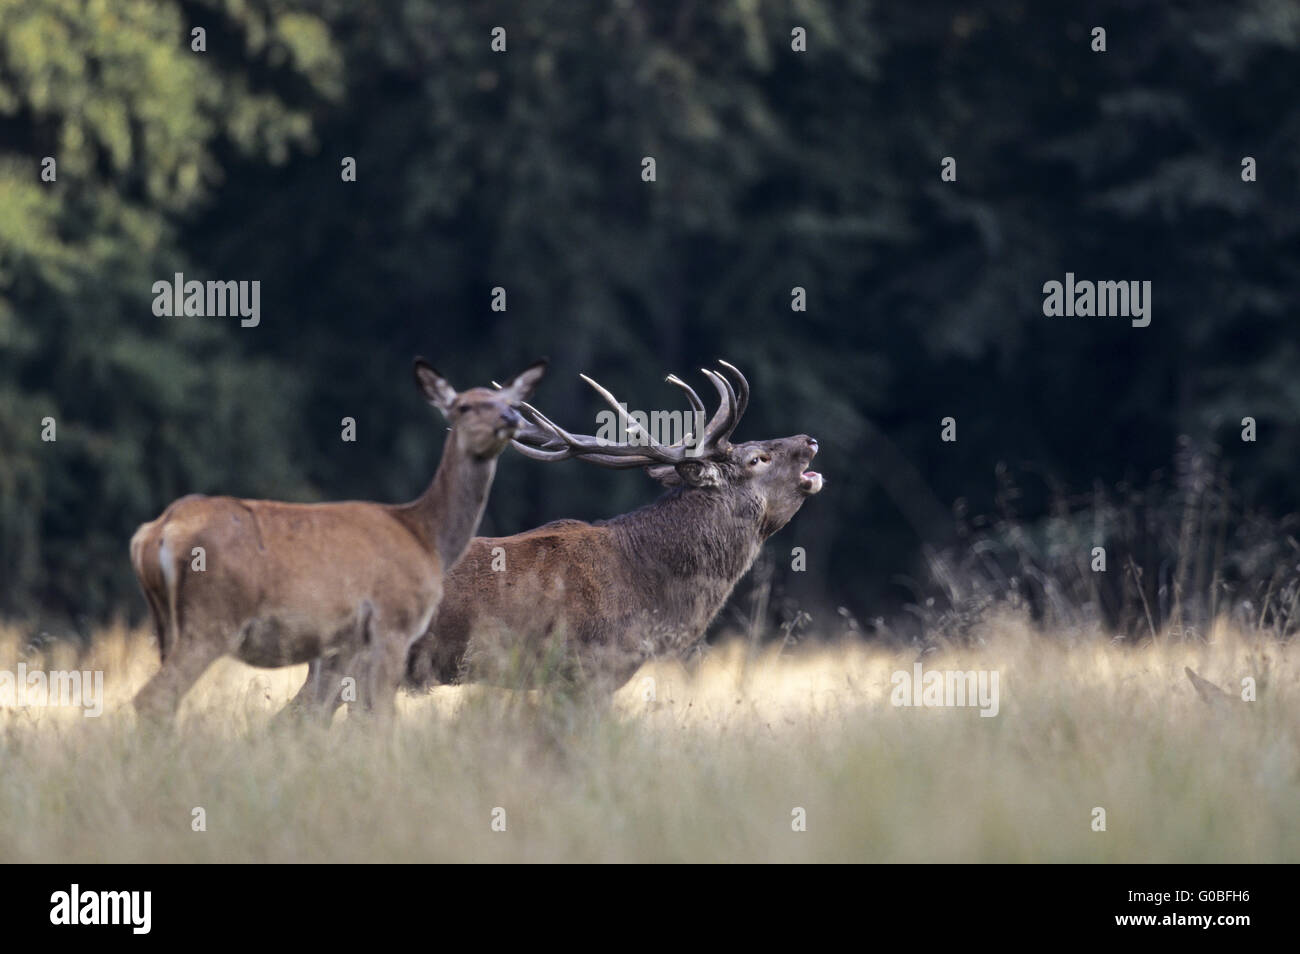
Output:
(810, 482)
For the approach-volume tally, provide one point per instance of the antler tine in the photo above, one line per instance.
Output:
(534, 416)
(725, 418)
(574, 445)
(550, 441)
(629, 462)
(538, 429)
(535, 453)
(581, 444)
(616, 456)
(533, 413)
(614, 402)
(629, 424)
(699, 414)
(696, 404)
(539, 440)
(742, 387)
(543, 439)
(571, 452)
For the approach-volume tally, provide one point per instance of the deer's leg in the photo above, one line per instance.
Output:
(189, 659)
(306, 700)
(307, 694)
(312, 692)
(158, 616)
(322, 693)
(385, 668)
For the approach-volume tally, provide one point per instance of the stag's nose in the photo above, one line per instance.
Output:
(812, 444)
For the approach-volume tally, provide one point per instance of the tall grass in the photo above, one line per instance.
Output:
(703, 763)
(1181, 553)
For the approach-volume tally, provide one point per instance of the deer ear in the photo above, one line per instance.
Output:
(522, 384)
(700, 473)
(666, 474)
(436, 389)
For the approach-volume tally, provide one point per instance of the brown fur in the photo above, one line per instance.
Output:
(599, 599)
(286, 583)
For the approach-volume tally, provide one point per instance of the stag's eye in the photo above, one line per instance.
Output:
(753, 461)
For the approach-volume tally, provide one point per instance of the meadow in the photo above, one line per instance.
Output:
(719, 760)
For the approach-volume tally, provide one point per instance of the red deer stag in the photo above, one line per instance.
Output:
(356, 582)
(601, 598)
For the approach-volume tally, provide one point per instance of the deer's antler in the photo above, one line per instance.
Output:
(543, 439)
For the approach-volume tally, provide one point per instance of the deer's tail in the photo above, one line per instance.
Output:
(154, 559)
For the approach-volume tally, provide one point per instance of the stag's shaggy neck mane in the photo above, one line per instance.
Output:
(693, 533)
(447, 514)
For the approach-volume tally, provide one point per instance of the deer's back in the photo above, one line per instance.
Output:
(268, 556)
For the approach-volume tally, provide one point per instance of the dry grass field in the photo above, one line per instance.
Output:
(702, 763)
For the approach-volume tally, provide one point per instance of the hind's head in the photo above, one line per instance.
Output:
(483, 420)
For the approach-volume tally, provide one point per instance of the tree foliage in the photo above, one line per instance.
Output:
(522, 169)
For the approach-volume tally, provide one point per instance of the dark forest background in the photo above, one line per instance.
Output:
(775, 169)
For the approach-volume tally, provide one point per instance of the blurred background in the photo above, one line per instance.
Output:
(775, 169)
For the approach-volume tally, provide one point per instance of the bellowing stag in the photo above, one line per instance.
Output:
(598, 599)
(603, 597)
